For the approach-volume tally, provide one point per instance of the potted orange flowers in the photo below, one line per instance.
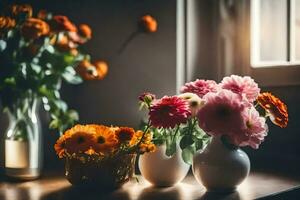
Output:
(101, 156)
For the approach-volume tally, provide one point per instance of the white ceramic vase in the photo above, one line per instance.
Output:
(161, 170)
(219, 168)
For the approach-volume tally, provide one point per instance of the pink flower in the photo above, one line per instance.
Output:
(168, 112)
(222, 113)
(254, 132)
(244, 86)
(200, 87)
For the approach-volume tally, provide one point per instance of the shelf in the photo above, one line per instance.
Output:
(56, 187)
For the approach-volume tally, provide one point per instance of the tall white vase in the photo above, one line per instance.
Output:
(161, 170)
(219, 168)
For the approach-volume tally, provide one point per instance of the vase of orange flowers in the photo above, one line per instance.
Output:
(101, 156)
(38, 53)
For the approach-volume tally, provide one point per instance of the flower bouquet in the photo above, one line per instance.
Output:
(101, 156)
(173, 119)
(37, 54)
(234, 113)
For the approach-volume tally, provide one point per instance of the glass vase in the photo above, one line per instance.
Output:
(23, 142)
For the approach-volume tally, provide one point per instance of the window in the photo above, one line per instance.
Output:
(275, 33)
(272, 32)
(260, 38)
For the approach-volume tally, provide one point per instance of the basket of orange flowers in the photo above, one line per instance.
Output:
(101, 156)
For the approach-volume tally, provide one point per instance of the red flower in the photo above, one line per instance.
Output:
(168, 112)
(62, 23)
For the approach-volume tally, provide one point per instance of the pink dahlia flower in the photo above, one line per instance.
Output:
(222, 113)
(255, 130)
(244, 86)
(200, 87)
(168, 112)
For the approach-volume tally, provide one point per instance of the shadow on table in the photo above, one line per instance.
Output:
(74, 193)
(220, 196)
(161, 193)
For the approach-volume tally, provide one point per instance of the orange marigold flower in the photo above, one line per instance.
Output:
(102, 69)
(124, 134)
(24, 9)
(89, 71)
(90, 152)
(275, 108)
(86, 70)
(6, 23)
(80, 138)
(33, 28)
(85, 31)
(147, 148)
(146, 144)
(65, 44)
(148, 24)
(60, 146)
(62, 23)
(42, 14)
(106, 140)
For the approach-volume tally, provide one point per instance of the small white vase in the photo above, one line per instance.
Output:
(161, 170)
(219, 168)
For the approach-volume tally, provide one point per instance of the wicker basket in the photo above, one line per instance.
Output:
(107, 173)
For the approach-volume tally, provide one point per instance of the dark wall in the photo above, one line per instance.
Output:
(147, 64)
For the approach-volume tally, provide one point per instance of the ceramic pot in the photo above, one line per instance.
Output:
(161, 170)
(219, 168)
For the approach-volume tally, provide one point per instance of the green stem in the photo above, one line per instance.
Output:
(176, 131)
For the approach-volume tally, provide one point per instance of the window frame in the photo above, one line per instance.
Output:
(268, 73)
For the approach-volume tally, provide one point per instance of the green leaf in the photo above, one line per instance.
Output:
(187, 154)
(73, 114)
(199, 144)
(2, 45)
(36, 68)
(54, 124)
(186, 141)
(70, 76)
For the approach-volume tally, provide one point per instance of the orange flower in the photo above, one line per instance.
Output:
(275, 108)
(42, 14)
(124, 134)
(33, 28)
(148, 24)
(65, 44)
(146, 145)
(106, 140)
(102, 69)
(85, 31)
(86, 70)
(89, 71)
(62, 23)
(90, 152)
(80, 138)
(6, 23)
(18, 10)
(60, 146)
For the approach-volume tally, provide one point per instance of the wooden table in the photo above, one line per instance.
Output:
(56, 187)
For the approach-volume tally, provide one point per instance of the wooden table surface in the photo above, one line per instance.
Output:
(56, 187)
